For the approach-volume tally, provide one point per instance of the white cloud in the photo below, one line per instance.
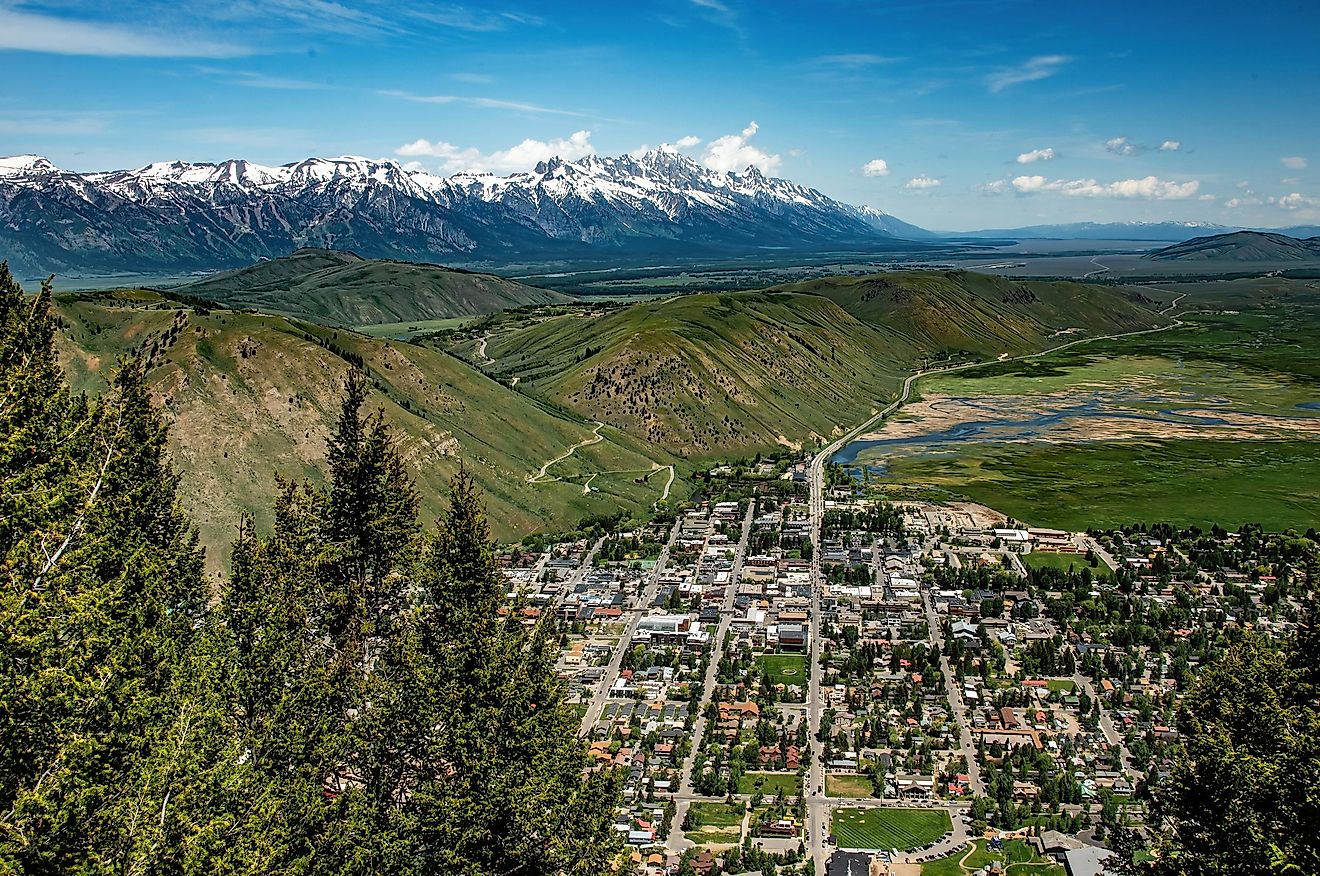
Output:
(858, 60)
(1170, 145)
(876, 167)
(687, 142)
(54, 123)
(1039, 67)
(1242, 202)
(1123, 146)
(1046, 154)
(1294, 162)
(997, 187)
(922, 182)
(1294, 201)
(30, 32)
(483, 102)
(252, 79)
(734, 152)
(1149, 188)
(521, 157)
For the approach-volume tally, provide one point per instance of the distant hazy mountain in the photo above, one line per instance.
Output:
(1154, 231)
(176, 216)
(1105, 231)
(1242, 246)
(342, 288)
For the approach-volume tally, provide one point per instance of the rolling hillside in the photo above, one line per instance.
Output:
(705, 374)
(1242, 246)
(252, 395)
(332, 287)
(934, 314)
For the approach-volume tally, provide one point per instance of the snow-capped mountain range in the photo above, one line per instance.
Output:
(180, 216)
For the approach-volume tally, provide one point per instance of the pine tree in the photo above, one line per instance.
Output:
(1243, 794)
(102, 599)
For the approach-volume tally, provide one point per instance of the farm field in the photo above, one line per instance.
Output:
(1212, 422)
(883, 828)
(1197, 482)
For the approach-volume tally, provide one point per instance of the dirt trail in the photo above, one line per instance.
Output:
(541, 476)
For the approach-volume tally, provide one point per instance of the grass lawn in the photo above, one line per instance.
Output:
(848, 786)
(716, 823)
(882, 828)
(785, 668)
(1017, 856)
(1067, 685)
(770, 784)
(1063, 562)
(945, 866)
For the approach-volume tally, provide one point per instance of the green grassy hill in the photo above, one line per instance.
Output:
(340, 288)
(1241, 246)
(251, 395)
(705, 374)
(939, 313)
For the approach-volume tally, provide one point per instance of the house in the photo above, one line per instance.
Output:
(1086, 861)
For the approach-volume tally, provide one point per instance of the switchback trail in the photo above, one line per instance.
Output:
(541, 477)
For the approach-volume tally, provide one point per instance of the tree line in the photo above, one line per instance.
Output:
(357, 696)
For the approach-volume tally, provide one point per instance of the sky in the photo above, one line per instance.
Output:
(952, 114)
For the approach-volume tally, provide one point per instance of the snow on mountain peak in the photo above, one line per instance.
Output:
(25, 165)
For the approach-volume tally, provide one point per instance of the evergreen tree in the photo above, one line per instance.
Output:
(102, 601)
(360, 698)
(1243, 796)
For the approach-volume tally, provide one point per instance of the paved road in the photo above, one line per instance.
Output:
(1109, 729)
(955, 697)
(717, 644)
(599, 699)
(677, 842)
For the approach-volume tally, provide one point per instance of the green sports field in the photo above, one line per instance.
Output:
(785, 668)
(883, 828)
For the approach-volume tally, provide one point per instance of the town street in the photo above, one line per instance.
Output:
(644, 600)
(955, 697)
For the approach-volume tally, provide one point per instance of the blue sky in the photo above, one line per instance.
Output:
(953, 114)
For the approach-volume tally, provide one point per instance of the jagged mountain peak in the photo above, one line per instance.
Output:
(202, 215)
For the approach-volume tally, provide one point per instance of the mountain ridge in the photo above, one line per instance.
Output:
(1242, 246)
(183, 216)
